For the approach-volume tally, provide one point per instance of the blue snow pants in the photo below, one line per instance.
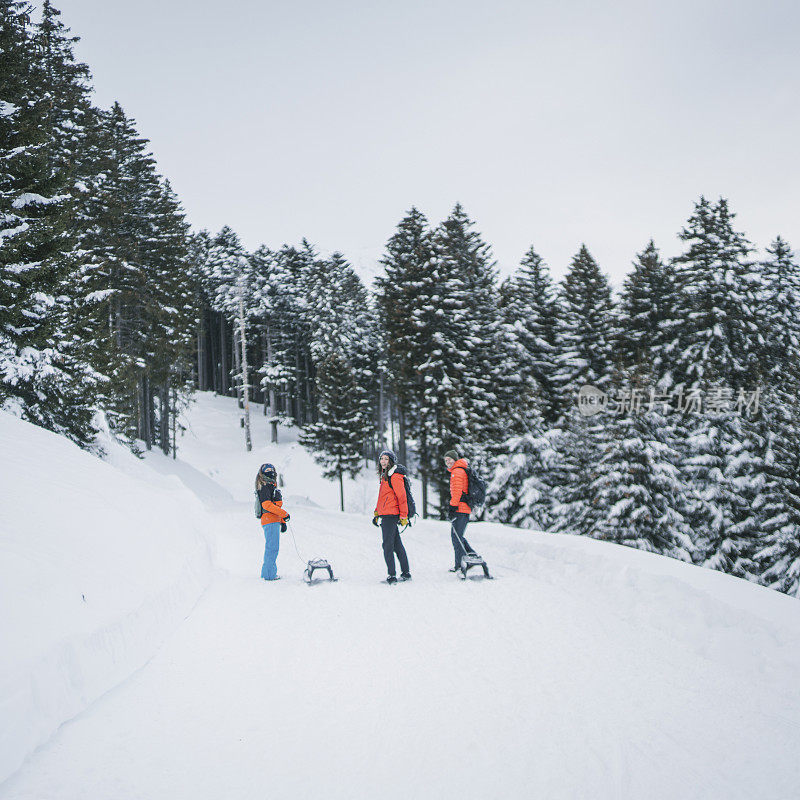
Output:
(272, 533)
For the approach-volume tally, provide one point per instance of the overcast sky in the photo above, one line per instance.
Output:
(553, 123)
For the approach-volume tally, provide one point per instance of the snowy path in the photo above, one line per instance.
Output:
(586, 670)
(539, 684)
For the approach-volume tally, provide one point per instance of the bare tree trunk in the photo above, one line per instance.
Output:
(140, 408)
(148, 413)
(237, 363)
(223, 350)
(273, 408)
(174, 423)
(213, 341)
(341, 491)
(423, 450)
(201, 357)
(402, 420)
(163, 423)
(392, 414)
(311, 412)
(299, 413)
(381, 415)
(244, 371)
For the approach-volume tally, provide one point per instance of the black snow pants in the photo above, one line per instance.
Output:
(393, 544)
(458, 526)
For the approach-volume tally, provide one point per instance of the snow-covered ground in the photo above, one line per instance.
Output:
(587, 670)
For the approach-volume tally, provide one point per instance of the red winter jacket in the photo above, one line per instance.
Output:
(458, 484)
(392, 496)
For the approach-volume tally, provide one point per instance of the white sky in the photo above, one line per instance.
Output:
(553, 123)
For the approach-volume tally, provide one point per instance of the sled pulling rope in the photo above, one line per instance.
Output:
(313, 564)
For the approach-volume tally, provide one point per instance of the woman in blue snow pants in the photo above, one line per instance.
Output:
(273, 518)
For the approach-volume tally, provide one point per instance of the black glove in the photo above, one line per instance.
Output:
(287, 518)
(375, 521)
(452, 515)
(283, 527)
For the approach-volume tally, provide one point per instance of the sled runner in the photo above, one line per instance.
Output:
(471, 560)
(315, 564)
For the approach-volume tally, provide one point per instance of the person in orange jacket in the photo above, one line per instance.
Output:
(459, 511)
(273, 520)
(391, 508)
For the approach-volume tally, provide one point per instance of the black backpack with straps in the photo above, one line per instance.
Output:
(401, 470)
(476, 489)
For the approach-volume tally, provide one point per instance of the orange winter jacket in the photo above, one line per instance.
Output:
(458, 485)
(392, 495)
(272, 508)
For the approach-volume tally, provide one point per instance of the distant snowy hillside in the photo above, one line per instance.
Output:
(586, 670)
(214, 443)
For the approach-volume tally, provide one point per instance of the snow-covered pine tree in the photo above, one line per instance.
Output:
(440, 312)
(227, 261)
(641, 488)
(529, 309)
(578, 447)
(263, 262)
(341, 323)
(366, 356)
(778, 557)
(117, 220)
(521, 491)
(717, 288)
(778, 554)
(199, 245)
(342, 320)
(172, 312)
(336, 437)
(407, 281)
(586, 332)
(459, 248)
(647, 321)
(716, 356)
(778, 310)
(67, 87)
(636, 494)
(292, 373)
(723, 463)
(237, 296)
(43, 372)
(285, 330)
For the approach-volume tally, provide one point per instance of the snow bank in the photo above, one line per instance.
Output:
(98, 565)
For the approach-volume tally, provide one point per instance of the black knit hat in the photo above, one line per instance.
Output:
(451, 454)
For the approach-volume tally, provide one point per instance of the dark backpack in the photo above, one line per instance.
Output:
(476, 489)
(270, 496)
(412, 506)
